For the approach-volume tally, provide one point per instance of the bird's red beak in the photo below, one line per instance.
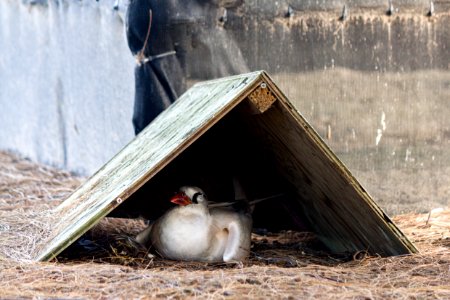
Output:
(181, 199)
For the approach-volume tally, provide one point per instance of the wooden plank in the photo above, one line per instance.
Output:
(167, 136)
(337, 207)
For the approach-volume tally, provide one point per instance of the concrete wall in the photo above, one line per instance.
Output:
(66, 82)
(366, 40)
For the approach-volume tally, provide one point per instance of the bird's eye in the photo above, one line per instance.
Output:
(195, 197)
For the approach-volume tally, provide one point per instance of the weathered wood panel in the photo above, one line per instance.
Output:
(167, 136)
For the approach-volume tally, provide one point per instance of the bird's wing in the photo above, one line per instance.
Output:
(239, 192)
(239, 227)
(220, 204)
(250, 203)
(233, 243)
(144, 237)
(239, 240)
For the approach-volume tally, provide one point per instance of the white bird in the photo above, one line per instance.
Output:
(195, 232)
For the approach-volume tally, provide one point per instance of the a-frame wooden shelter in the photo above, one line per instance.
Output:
(245, 125)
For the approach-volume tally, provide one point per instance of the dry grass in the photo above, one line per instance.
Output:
(107, 264)
(27, 193)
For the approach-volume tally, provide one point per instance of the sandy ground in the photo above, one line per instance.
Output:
(285, 266)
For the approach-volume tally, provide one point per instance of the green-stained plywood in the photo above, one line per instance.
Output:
(336, 207)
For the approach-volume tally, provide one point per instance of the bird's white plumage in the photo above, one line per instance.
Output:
(183, 233)
(197, 233)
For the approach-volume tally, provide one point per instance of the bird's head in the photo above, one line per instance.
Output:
(189, 195)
